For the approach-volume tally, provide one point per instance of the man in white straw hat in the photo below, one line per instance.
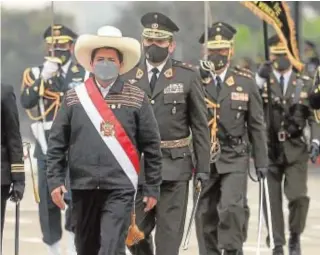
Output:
(104, 124)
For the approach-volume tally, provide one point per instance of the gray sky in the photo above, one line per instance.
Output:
(89, 15)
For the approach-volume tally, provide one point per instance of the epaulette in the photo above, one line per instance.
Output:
(304, 77)
(243, 72)
(183, 65)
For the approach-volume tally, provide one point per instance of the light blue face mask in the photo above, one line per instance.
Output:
(106, 70)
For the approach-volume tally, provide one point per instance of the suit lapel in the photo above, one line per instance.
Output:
(141, 75)
(291, 86)
(226, 86)
(275, 86)
(164, 78)
(211, 90)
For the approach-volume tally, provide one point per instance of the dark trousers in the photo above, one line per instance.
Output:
(4, 197)
(101, 220)
(49, 213)
(295, 189)
(168, 217)
(221, 217)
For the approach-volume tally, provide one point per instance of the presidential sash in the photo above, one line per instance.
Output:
(110, 129)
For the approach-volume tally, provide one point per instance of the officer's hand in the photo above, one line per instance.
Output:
(150, 203)
(49, 69)
(314, 152)
(202, 177)
(57, 196)
(17, 190)
(262, 172)
(265, 70)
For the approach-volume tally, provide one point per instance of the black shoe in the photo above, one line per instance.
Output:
(294, 245)
(278, 250)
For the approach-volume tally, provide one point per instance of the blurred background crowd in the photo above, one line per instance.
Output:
(22, 27)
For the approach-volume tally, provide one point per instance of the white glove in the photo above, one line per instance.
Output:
(49, 68)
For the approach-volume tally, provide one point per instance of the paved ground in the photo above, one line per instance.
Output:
(31, 244)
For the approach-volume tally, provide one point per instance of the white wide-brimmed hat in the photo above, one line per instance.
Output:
(108, 36)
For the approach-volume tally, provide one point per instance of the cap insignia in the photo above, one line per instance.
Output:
(154, 25)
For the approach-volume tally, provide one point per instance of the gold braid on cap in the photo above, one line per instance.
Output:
(219, 43)
(59, 39)
(280, 48)
(156, 33)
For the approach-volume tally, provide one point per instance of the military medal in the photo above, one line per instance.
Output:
(107, 129)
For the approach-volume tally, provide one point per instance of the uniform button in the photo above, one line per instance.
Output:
(152, 101)
(239, 107)
(61, 93)
(283, 114)
(218, 105)
(174, 101)
(50, 82)
(98, 187)
(35, 88)
(218, 116)
(284, 101)
(113, 106)
(282, 123)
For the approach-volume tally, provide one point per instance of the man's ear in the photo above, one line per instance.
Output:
(121, 66)
(172, 46)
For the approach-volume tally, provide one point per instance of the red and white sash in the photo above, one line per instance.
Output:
(116, 139)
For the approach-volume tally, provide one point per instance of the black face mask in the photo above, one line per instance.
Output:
(281, 63)
(219, 61)
(156, 54)
(63, 55)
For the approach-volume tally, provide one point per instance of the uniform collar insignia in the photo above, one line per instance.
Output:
(230, 81)
(168, 73)
(206, 80)
(139, 73)
(75, 69)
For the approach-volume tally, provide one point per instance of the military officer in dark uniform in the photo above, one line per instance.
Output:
(311, 57)
(12, 166)
(289, 155)
(175, 93)
(43, 88)
(314, 96)
(236, 120)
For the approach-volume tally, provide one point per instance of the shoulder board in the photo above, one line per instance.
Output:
(243, 72)
(183, 65)
(303, 77)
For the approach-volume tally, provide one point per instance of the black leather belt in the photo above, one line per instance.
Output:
(232, 141)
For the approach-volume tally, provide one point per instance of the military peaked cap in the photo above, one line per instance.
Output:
(220, 36)
(158, 26)
(61, 34)
(276, 45)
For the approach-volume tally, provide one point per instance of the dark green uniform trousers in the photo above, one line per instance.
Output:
(295, 189)
(222, 217)
(168, 217)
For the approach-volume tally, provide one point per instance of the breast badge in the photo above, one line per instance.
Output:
(107, 129)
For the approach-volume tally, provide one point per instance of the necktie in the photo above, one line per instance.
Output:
(219, 83)
(282, 84)
(153, 78)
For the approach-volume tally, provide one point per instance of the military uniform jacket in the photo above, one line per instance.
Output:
(177, 102)
(55, 88)
(91, 163)
(11, 145)
(239, 115)
(294, 148)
